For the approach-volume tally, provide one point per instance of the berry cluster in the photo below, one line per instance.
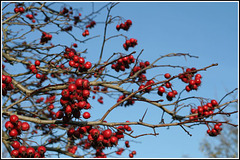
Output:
(130, 43)
(33, 69)
(125, 26)
(76, 61)
(74, 99)
(187, 77)
(64, 11)
(149, 88)
(19, 9)
(6, 84)
(129, 101)
(45, 38)
(97, 138)
(77, 18)
(85, 33)
(141, 77)
(203, 111)
(14, 126)
(40, 100)
(21, 151)
(30, 16)
(91, 25)
(123, 63)
(215, 130)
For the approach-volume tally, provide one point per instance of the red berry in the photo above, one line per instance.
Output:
(30, 151)
(107, 133)
(13, 133)
(86, 115)
(41, 149)
(214, 102)
(37, 63)
(167, 75)
(22, 150)
(21, 9)
(14, 153)
(114, 140)
(16, 10)
(14, 119)
(38, 76)
(72, 88)
(25, 126)
(15, 144)
(134, 152)
(130, 155)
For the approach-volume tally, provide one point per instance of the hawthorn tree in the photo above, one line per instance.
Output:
(50, 98)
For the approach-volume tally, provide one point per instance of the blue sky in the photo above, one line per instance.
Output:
(208, 30)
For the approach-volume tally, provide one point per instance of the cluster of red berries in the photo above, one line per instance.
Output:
(77, 18)
(40, 100)
(130, 43)
(203, 111)
(125, 26)
(64, 11)
(76, 61)
(123, 63)
(6, 84)
(74, 99)
(45, 38)
(85, 33)
(30, 16)
(91, 25)
(141, 77)
(129, 101)
(148, 89)
(14, 126)
(132, 154)
(34, 70)
(21, 151)
(215, 130)
(187, 77)
(19, 9)
(96, 138)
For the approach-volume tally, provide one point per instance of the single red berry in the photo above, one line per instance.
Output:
(25, 126)
(130, 155)
(59, 115)
(16, 10)
(214, 102)
(15, 144)
(86, 115)
(72, 88)
(134, 152)
(15, 153)
(167, 75)
(13, 133)
(37, 63)
(14, 119)
(107, 133)
(41, 149)
(85, 93)
(114, 140)
(22, 150)
(65, 93)
(30, 151)
(38, 76)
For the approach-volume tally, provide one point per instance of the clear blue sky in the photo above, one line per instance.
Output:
(208, 30)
